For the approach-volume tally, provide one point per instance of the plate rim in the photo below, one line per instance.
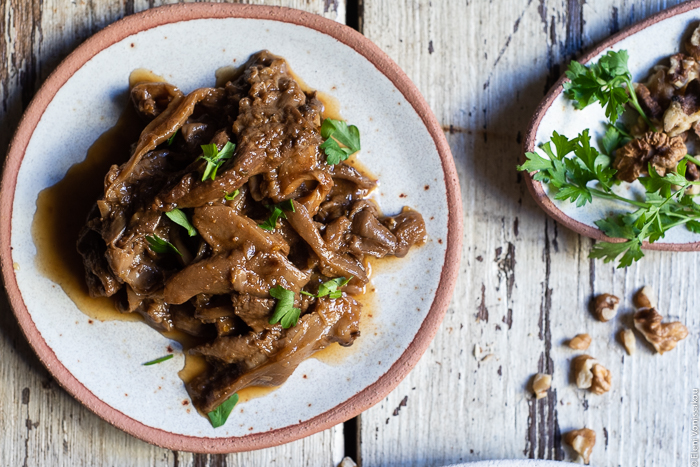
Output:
(159, 16)
(535, 187)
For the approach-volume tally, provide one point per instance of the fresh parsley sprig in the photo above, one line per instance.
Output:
(161, 246)
(330, 288)
(277, 213)
(578, 172)
(285, 313)
(607, 81)
(337, 131)
(215, 158)
(180, 218)
(219, 415)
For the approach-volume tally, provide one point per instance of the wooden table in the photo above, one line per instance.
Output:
(525, 281)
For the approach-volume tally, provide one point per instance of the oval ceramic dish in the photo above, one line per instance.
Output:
(648, 43)
(100, 363)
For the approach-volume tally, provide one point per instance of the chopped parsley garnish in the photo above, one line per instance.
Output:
(330, 288)
(285, 313)
(277, 212)
(161, 246)
(171, 139)
(180, 218)
(231, 196)
(666, 204)
(159, 360)
(215, 158)
(608, 81)
(335, 132)
(219, 415)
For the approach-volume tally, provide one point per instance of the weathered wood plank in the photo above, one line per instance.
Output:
(41, 425)
(525, 281)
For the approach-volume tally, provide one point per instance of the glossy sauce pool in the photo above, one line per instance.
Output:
(63, 208)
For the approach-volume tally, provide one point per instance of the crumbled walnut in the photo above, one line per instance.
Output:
(683, 70)
(644, 298)
(628, 341)
(660, 150)
(347, 462)
(605, 307)
(663, 336)
(582, 441)
(602, 379)
(589, 373)
(541, 384)
(580, 342)
(656, 93)
(677, 120)
(692, 45)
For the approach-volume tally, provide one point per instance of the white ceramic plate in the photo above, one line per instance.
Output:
(402, 143)
(648, 43)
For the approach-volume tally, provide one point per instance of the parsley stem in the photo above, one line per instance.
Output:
(611, 195)
(692, 159)
(635, 103)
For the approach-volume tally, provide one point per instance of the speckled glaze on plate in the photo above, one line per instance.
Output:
(648, 43)
(100, 364)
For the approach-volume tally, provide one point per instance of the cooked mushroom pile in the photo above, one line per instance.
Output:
(671, 99)
(232, 223)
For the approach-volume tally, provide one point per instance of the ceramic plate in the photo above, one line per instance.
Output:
(100, 363)
(649, 43)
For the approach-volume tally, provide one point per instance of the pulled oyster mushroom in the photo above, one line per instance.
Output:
(605, 307)
(663, 336)
(582, 441)
(662, 151)
(590, 374)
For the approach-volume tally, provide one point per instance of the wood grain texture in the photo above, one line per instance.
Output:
(525, 281)
(40, 424)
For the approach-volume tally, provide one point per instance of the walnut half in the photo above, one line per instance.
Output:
(590, 374)
(605, 307)
(628, 340)
(663, 336)
(582, 441)
(644, 298)
(541, 384)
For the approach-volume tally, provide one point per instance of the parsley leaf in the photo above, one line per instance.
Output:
(219, 415)
(231, 196)
(337, 131)
(159, 360)
(180, 218)
(285, 313)
(277, 212)
(608, 81)
(161, 246)
(215, 158)
(330, 288)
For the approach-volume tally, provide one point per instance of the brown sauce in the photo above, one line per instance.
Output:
(62, 210)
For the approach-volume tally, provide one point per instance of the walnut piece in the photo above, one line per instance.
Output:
(683, 70)
(644, 298)
(662, 151)
(541, 384)
(605, 307)
(582, 441)
(677, 120)
(590, 374)
(628, 341)
(663, 336)
(692, 45)
(580, 342)
(602, 379)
